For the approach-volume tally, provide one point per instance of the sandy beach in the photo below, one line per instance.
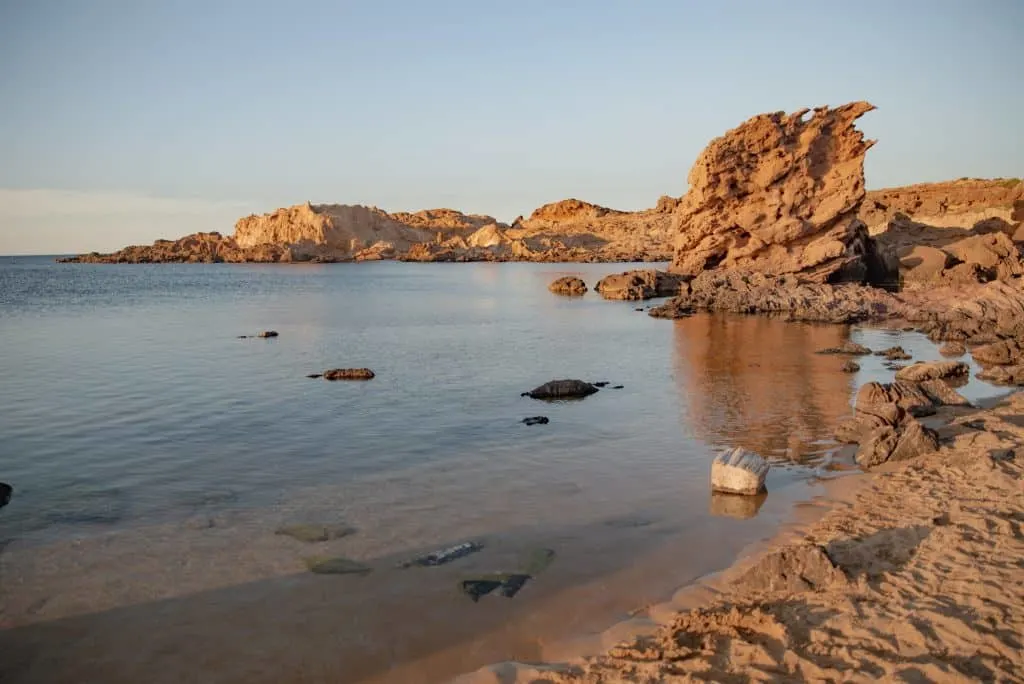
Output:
(915, 574)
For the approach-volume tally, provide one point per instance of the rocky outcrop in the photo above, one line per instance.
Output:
(932, 370)
(570, 286)
(638, 285)
(961, 203)
(196, 248)
(779, 195)
(787, 296)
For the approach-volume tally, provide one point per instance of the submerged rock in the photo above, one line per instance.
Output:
(738, 471)
(315, 533)
(443, 556)
(850, 367)
(847, 348)
(323, 565)
(570, 286)
(536, 561)
(536, 420)
(348, 374)
(509, 583)
(562, 389)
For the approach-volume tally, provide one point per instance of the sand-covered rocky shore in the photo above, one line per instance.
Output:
(914, 575)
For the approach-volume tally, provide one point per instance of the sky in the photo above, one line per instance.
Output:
(124, 121)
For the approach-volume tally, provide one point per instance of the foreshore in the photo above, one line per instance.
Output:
(914, 574)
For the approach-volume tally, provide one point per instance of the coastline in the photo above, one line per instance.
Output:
(927, 583)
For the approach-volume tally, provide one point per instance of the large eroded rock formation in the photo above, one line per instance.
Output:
(779, 195)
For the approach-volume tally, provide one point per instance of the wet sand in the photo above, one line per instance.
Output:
(931, 586)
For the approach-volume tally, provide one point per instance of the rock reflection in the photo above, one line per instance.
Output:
(736, 505)
(756, 382)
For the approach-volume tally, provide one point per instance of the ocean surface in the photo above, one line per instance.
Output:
(155, 454)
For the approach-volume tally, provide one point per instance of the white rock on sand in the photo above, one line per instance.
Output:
(738, 471)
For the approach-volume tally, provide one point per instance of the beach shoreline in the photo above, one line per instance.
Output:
(928, 582)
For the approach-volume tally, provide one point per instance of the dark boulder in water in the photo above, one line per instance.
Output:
(267, 333)
(562, 389)
(6, 491)
(536, 420)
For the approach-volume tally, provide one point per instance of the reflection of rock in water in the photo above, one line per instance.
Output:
(736, 505)
(756, 382)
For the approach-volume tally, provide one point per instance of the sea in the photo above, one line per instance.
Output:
(163, 458)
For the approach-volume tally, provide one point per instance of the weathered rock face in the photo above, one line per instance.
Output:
(738, 471)
(962, 203)
(637, 285)
(780, 195)
(932, 370)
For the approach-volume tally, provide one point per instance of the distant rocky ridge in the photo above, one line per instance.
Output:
(780, 194)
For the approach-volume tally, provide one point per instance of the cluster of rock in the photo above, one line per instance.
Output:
(885, 423)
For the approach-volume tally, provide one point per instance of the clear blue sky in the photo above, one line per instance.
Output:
(130, 120)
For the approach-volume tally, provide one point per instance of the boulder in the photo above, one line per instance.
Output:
(850, 367)
(1003, 375)
(932, 370)
(536, 420)
(637, 285)
(953, 349)
(6, 491)
(921, 263)
(878, 399)
(894, 354)
(570, 286)
(1002, 353)
(889, 443)
(942, 394)
(349, 374)
(562, 389)
(779, 195)
(738, 471)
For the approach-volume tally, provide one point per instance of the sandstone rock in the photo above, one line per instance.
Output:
(1002, 353)
(876, 399)
(637, 285)
(932, 370)
(889, 444)
(1003, 375)
(953, 349)
(738, 471)
(349, 374)
(859, 427)
(757, 293)
(850, 367)
(849, 348)
(780, 195)
(951, 203)
(791, 569)
(894, 354)
(942, 394)
(569, 285)
(562, 389)
(921, 263)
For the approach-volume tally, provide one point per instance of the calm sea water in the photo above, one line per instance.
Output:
(153, 454)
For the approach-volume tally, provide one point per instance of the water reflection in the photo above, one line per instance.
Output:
(736, 505)
(755, 382)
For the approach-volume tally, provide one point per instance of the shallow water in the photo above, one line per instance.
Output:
(154, 454)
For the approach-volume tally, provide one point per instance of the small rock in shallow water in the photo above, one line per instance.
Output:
(894, 354)
(847, 348)
(953, 349)
(508, 583)
(444, 555)
(536, 420)
(6, 491)
(617, 386)
(321, 565)
(570, 286)
(267, 333)
(738, 471)
(603, 383)
(850, 367)
(315, 533)
(349, 374)
(314, 376)
(562, 389)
